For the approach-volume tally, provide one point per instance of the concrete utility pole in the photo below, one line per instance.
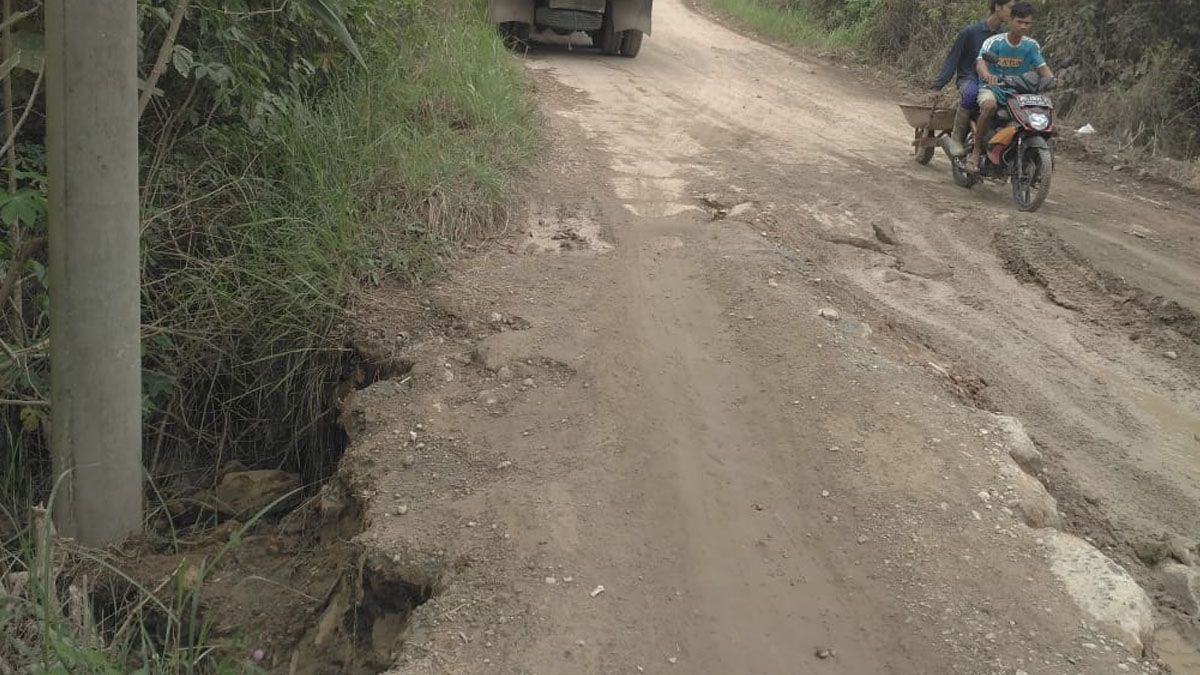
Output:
(95, 351)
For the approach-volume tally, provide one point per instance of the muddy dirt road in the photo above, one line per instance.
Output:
(744, 391)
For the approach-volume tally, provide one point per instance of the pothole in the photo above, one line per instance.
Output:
(364, 622)
(566, 233)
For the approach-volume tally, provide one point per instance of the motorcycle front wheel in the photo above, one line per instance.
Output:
(1032, 188)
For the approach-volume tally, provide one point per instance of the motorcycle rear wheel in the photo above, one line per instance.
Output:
(962, 177)
(1029, 192)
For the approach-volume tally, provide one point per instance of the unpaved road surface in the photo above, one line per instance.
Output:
(739, 395)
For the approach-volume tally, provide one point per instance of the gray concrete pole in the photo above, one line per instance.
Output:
(95, 353)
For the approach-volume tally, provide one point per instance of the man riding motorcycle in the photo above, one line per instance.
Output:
(960, 64)
(1012, 54)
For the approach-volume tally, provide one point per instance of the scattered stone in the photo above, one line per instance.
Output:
(242, 494)
(829, 314)
(1102, 589)
(408, 460)
(673, 660)
(1182, 583)
(504, 374)
(885, 232)
(741, 209)
(528, 382)
(922, 265)
(1154, 549)
(596, 591)
(772, 283)
(857, 242)
(862, 539)
(1171, 355)
(975, 515)
(551, 581)
(824, 493)
(824, 653)
(504, 465)
(402, 509)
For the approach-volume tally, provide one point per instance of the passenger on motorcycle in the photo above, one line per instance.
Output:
(960, 64)
(1015, 54)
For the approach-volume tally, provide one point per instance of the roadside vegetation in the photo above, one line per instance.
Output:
(1136, 66)
(290, 157)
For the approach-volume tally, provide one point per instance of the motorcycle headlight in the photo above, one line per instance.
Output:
(1039, 121)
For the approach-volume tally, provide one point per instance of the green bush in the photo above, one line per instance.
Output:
(276, 181)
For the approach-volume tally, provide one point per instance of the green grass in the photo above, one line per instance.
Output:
(792, 26)
(255, 244)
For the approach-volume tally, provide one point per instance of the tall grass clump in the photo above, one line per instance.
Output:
(277, 185)
(381, 176)
(797, 22)
(265, 212)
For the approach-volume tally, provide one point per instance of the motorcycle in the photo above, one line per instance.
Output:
(1019, 146)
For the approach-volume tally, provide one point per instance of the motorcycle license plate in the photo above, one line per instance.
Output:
(1033, 101)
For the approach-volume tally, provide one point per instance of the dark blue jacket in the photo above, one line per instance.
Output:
(960, 61)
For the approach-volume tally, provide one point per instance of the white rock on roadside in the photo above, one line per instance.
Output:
(1182, 583)
(1037, 507)
(1020, 446)
(1102, 589)
(829, 314)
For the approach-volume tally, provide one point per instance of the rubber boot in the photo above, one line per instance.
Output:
(962, 122)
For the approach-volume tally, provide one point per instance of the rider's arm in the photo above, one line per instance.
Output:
(951, 64)
(1043, 68)
(985, 75)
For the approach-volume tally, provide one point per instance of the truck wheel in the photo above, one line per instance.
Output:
(631, 43)
(515, 34)
(610, 40)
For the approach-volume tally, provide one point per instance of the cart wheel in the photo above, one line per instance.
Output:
(924, 153)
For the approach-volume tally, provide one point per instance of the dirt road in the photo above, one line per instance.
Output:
(725, 402)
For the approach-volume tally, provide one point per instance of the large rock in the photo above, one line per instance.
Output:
(1037, 506)
(1102, 589)
(1020, 445)
(1182, 583)
(244, 494)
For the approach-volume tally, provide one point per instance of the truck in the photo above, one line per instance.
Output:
(616, 27)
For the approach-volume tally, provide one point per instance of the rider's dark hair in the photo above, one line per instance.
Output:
(1022, 10)
(993, 4)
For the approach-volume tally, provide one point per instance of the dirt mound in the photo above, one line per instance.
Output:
(1036, 255)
